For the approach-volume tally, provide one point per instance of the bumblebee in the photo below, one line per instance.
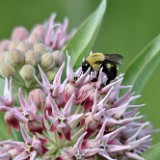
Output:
(108, 62)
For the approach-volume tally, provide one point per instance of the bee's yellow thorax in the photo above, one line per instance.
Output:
(94, 58)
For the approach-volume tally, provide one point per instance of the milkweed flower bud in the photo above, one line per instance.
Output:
(51, 74)
(38, 96)
(7, 70)
(35, 38)
(39, 30)
(4, 45)
(41, 48)
(15, 57)
(27, 72)
(32, 57)
(47, 61)
(19, 34)
(2, 57)
(59, 57)
(24, 46)
(12, 45)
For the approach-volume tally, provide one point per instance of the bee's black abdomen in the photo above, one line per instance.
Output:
(110, 72)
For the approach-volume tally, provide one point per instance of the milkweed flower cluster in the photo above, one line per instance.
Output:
(75, 119)
(20, 55)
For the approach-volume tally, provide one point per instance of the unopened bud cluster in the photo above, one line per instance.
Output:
(22, 60)
(21, 55)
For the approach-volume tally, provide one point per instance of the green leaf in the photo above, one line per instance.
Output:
(142, 67)
(153, 153)
(81, 43)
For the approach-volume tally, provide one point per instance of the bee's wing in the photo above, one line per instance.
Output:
(113, 58)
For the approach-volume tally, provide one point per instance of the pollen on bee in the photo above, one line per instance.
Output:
(108, 65)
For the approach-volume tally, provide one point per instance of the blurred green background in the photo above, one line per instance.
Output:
(127, 27)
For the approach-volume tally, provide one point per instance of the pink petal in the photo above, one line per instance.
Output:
(17, 114)
(123, 99)
(117, 112)
(136, 143)
(109, 86)
(52, 119)
(5, 156)
(22, 156)
(108, 137)
(23, 102)
(70, 73)
(97, 116)
(101, 132)
(55, 109)
(67, 109)
(57, 79)
(95, 107)
(13, 143)
(78, 144)
(26, 137)
(129, 120)
(117, 148)
(72, 118)
(137, 133)
(106, 98)
(105, 155)
(134, 156)
(33, 155)
(82, 78)
(44, 78)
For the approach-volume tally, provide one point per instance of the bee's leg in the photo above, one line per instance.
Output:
(108, 81)
(95, 79)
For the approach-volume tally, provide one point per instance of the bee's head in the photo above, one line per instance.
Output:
(85, 66)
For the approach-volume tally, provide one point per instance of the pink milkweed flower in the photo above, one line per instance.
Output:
(56, 34)
(103, 141)
(77, 118)
(56, 87)
(30, 148)
(61, 120)
(27, 114)
(78, 151)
